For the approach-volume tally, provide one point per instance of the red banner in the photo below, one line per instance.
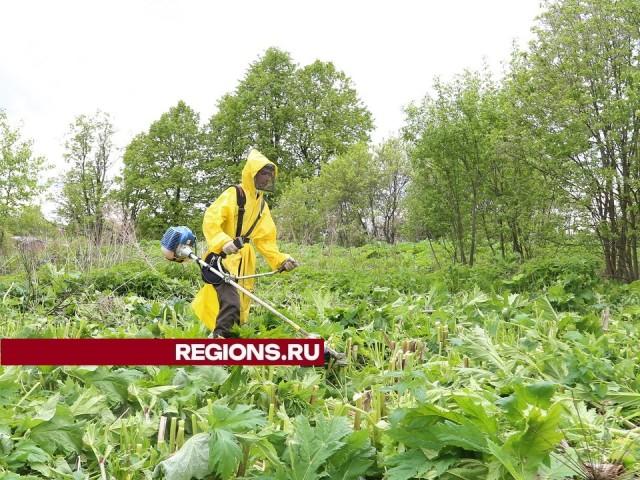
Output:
(157, 351)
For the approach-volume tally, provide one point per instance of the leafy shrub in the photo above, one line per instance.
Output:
(137, 278)
(576, 273)
(570, 282)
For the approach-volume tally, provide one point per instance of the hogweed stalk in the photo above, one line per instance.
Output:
(358, 398)
(271, 414)
(161, 430)
(180, 435)
(172, 433)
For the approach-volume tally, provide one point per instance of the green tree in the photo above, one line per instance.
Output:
(91, 153)
(336, 206)
(357, 196)
(30, 221)
(388, 200)
(20, 173)
(328, 117)
(347, 185)
(298, 117)
(257, 114)
(299, 217)
(578, 93)
(475, 175)
(475, 172)
(132, 189)
(166, 179)
(527, 210)
(451, 157)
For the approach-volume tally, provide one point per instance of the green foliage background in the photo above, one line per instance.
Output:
(454, 372)
(501, 344)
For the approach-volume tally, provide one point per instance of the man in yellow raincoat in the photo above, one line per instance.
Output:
(221, 306)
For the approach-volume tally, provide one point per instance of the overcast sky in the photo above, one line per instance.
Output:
(135, 59)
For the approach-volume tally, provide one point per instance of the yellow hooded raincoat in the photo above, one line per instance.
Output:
(219, 227)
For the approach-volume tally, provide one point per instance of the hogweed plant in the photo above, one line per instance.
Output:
(592, 450)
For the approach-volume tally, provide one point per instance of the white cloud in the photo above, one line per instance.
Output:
(136, 58)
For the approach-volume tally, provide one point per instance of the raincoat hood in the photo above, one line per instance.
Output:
(255, 161)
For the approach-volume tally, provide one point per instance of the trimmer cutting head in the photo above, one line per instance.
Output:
(333, 358)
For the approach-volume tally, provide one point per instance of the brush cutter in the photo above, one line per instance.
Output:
(176, 246)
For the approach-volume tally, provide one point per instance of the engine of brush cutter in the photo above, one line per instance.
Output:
(173, 239)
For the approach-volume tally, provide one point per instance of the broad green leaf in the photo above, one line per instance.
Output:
(539, 394)
(61, 432)
(524, 396)
(47, 410)
(15, 476)
(475, 410)
(556, 293)
(354, 458)
(433, 413)
(242, 417)
(432, 428)
(478, 346)
(442, 464)
(47, 471)
(265, 447)
(26, 452)
(113, 383)
(478, 299)
(463, 436)
(495, 469)
(513, 405)
(234, 381)
(6, 443)
(162, 389)
(410, 464)
(564, 465)
(311, 446)
(59, 470)
(414, 434)
(90, 402)
(8, 387)
(62, 467)
(225, 453)
(540, 437)
(92, 437)
(544, 310)
(509, 461)
(463, 470)
(191, 461)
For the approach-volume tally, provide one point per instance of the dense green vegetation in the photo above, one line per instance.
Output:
(506, 370)
(480, 270)
(545, 155)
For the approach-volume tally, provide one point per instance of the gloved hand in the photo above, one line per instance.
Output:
(289, 264)
(230, 248)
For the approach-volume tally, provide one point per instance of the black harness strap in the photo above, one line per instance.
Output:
(242, 200)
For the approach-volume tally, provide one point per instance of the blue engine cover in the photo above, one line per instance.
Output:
(175, 236)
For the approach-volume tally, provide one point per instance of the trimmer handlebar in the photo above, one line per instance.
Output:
(238, 242)
(177, 243)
